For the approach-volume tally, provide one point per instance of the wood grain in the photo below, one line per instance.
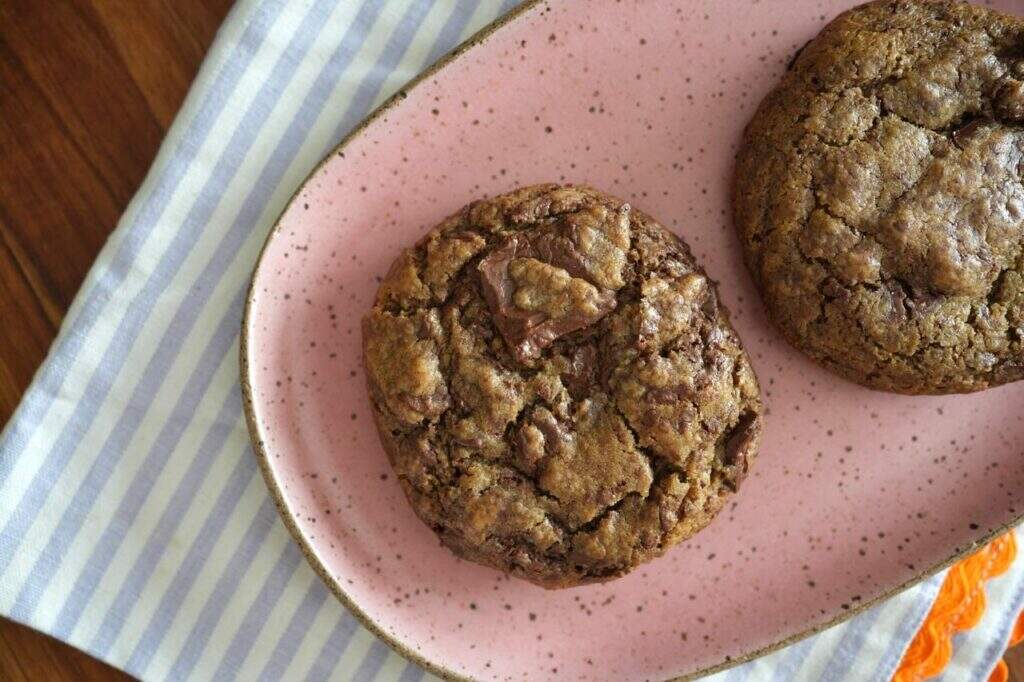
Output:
(1015, 662)
(88, 89)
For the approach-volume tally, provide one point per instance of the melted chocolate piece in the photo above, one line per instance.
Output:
(528, 332)
(739, 446)
(582, 374)
(673, 394)
(1009, 103)
(555, 436)
(963, 135)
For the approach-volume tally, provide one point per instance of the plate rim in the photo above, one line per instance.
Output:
(263, 456)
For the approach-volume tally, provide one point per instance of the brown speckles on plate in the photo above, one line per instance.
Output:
(352, 213)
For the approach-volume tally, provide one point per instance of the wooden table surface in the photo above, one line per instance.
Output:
(88, 89)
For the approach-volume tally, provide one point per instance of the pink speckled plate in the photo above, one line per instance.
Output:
(856, 493)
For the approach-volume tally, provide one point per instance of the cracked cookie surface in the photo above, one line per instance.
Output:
(557, 387)
(879, 199)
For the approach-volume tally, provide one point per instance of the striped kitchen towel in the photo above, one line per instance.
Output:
(133, 522)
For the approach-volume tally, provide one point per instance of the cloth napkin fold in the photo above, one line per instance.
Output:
(133, 522)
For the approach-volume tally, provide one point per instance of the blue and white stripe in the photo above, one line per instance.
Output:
(977, 650)
(133, 523)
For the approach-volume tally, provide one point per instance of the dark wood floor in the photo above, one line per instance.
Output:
(1015, 661)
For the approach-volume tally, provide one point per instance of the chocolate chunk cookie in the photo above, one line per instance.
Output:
(557, 387)
(878, 196)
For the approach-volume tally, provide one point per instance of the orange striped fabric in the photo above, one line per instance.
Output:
(958, 606)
